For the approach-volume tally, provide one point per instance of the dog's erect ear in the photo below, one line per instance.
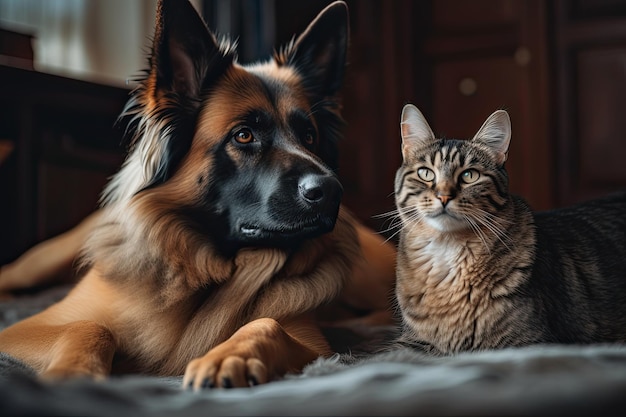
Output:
(319, 54)
(184, 53)
(185, 60)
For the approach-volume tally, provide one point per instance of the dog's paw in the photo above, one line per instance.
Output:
(254, 354)
(215, 370)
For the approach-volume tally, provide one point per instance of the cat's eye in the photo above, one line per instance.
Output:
(243, 136)
(426, 174)
(469, 176)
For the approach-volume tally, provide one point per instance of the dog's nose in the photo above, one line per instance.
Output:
(320, 189)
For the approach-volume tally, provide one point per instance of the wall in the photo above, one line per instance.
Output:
(102, 41)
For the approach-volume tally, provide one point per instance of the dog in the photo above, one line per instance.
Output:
(223, 232)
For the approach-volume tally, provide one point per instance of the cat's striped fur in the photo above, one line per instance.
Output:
(477, 269)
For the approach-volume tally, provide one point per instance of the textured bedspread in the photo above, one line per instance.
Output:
(540, 380)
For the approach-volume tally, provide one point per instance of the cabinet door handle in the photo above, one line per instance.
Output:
(468, 86)
(522, 56)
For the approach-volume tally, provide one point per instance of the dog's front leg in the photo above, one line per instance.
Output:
(48, 262)
(81, 348)
(258, 352)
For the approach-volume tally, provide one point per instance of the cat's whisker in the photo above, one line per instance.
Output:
(497, 232)
(393, 235)
(495, 228)
(477, 231)
(395, 228)
(494, 217)
(415, 221)
(391, 213)
(394, 220)
(412, 217)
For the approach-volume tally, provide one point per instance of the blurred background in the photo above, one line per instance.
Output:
(557, 66)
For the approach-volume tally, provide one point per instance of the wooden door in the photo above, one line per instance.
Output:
(590, 68)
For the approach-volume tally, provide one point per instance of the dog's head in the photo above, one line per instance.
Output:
(245, 153)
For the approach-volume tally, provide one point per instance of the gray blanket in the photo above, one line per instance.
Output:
(539, 380)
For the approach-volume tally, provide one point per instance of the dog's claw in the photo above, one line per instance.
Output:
(231, 372)
(227, 383)
(252, 381)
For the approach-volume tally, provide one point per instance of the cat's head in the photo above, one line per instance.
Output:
(449, 184)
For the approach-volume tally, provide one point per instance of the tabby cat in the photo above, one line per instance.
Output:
(477, 269)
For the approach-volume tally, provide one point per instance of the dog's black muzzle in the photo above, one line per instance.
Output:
(274, 207)
(289, 217)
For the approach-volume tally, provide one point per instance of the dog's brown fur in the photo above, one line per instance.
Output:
(159, 295)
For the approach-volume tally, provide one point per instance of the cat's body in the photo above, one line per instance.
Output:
(477, 269)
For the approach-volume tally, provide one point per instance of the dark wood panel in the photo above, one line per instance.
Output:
(67, 194)
(590, 91)
(64, 144)
(475, 15)
(601, 122)
(585, 9)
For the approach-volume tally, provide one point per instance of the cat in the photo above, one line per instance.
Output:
(477, 269)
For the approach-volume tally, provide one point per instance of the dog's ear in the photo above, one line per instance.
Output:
(319, 53)
(185, 60)
(185, 54)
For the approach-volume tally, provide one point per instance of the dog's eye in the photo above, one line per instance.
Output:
(309, 137)
(243, 136)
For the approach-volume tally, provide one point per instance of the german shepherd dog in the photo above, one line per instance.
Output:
(223, 231)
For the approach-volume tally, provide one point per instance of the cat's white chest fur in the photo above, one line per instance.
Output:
(440, 291)
(440, 260)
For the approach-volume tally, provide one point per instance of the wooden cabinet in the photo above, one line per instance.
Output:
(64, 147)
(590, 97)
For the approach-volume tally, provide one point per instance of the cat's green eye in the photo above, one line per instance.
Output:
(426, 174)
(469, 176)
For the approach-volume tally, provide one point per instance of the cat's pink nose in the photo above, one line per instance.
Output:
(444, 198)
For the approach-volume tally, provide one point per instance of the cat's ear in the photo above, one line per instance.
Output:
(495, 133)
(414, 128)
